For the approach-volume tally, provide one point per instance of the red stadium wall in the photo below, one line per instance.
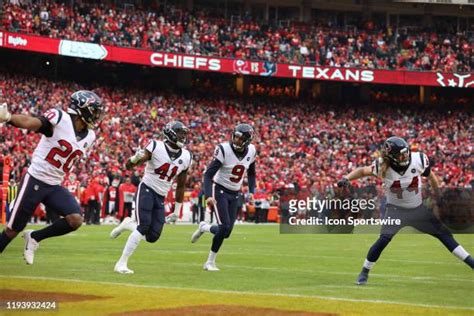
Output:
(233, 66)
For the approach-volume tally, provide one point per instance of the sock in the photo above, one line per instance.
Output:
(132, 244)
(212, 257)
(213, 229)
(4, 241)
(368, 264)
(460, 252)
(469, 261)
(58, 228)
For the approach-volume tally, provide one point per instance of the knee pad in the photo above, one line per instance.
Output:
(152, 237)
(224, 231)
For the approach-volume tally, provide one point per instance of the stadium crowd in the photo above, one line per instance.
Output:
(308, 145)
(180, 31)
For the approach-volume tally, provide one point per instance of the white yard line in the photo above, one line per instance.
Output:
(332, 298)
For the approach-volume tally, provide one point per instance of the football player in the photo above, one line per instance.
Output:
(400, 171)
(67, 136)
(222, 182)
(165, 161)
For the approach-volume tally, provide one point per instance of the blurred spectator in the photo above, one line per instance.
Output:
(177, 30)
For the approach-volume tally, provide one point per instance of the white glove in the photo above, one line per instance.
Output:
(5, 116)
(172, 218)
(138, 155)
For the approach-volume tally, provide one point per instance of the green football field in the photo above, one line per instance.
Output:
(262, 273)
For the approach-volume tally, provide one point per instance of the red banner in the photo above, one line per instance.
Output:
(228, 65)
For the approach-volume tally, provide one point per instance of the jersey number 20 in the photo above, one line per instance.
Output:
(65, 151)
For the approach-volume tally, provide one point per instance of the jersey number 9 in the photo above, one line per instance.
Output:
(238, 173)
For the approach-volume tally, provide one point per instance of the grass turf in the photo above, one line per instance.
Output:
(415, 275)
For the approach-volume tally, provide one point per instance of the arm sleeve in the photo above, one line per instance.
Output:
(151, 146)
(46, 127)
(219, 153)
(49, 120)
(425, 163)
(376, 165)
(252, 178)
(190, 162)
(209, 174)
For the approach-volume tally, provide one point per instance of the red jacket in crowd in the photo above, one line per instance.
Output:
(126, 194)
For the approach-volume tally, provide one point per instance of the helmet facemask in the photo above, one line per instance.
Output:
(242, 136)
(176, 133)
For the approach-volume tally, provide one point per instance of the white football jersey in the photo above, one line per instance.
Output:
(231, 174)
(160, 170)
(403, 190)
(54, 156)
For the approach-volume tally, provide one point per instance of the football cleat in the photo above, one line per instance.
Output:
(172, 218)
(127, 224)
(363, 277)
(198, 233)
(210, 266)
(122, 268)
(30, 247)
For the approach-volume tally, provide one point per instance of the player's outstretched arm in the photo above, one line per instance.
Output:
(19, 120)
(141, 156)
(358, 173)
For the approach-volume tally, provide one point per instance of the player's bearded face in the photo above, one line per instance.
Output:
(403, 158)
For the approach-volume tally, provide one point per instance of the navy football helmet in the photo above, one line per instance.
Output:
(242, 136)
(88, 106)
(397, 151)
(176, 133)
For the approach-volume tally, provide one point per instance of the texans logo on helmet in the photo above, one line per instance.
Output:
(388, 147)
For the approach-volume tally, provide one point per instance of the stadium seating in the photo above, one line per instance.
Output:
(311, 144)
(183, 32)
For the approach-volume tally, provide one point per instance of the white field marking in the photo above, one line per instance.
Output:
(392, 277)
(278, 254)
(322, 297)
